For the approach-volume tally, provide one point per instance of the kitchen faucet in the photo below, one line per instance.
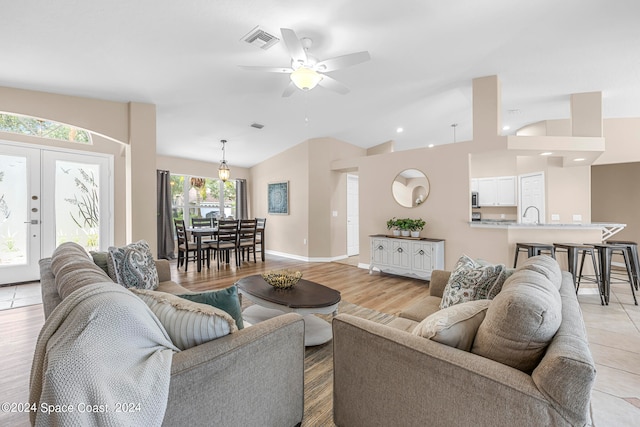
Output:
(527, 210)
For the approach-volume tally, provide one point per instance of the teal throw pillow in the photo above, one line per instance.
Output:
(100, 259)
(224, 299)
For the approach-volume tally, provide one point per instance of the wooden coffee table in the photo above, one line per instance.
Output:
(306, 298)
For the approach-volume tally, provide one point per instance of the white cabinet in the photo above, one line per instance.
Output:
(406, 257)
(497, 191)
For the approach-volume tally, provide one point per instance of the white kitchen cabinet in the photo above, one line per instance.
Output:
(497, 191)
(405, 256)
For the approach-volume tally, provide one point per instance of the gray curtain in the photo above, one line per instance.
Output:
(165, 229)
(241, 199)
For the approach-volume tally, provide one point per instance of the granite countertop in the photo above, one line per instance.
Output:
(496, 223)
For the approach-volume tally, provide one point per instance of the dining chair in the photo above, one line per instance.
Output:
(187, 252)
(260, 225)
(226, 241)
(247, 238)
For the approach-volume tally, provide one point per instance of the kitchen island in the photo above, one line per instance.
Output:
(511, 233)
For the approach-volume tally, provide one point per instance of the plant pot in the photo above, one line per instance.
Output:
(415, 234)
(405, 233)
(396, 232)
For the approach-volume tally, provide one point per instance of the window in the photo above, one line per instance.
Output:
(196, 197)
(32, 126)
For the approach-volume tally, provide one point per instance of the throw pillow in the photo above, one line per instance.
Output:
(455, 326)
(520, 322)
(133, 266)
(224, 299)
(188, 323)
(470, 281)
(100, 259)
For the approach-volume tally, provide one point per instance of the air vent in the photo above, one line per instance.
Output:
(260, 38)
(257, 125)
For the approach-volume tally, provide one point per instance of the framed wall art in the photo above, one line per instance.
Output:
(278, 193)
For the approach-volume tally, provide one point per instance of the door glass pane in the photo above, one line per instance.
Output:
(77, 203)
(13, 210)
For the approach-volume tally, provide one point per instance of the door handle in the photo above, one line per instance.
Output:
(32, 222)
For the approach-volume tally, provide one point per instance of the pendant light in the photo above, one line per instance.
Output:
(223, 170)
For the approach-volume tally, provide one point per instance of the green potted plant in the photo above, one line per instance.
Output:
(392, 225)
(404, 224)
(416, 227)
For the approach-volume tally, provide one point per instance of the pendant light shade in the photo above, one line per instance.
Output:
(305, 78)
(223, 171)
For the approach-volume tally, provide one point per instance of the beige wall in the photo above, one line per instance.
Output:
(615, 197)
(129, 134)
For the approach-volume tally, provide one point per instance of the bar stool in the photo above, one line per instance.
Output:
(534, 249)
(632, 251)
(574, 250)
(605, 251)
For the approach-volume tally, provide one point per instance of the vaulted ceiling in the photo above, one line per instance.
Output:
(184, 57)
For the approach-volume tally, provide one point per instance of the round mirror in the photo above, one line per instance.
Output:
(410, 188)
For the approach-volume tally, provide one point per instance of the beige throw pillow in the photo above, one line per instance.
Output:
(187, 323)
(455, 326)
(521, 321)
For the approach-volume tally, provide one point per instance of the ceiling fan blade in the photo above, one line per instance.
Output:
(334, 85)
(289, 90)
(342, 61)
(294, 46)
(267, 69)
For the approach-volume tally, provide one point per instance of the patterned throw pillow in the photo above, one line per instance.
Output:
(455, 326)
(187, 323)
(470, 281)
(132, 266)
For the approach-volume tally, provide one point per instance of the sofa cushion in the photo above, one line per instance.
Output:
(224, 299)
(72, 268)
(455, 326)
(187, 323)
(421, 308)
(520, 322)
(470, 281)
(545, 265)
(132, 266)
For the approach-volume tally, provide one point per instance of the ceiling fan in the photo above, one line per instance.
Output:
(306, 71)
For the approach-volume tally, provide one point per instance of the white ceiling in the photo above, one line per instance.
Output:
(183, 56)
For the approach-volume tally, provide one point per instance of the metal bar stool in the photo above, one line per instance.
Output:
(605, 251)
(533, 249)
(632, 251)
(574, 250)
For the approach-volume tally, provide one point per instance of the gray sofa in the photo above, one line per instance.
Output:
(384, 375)
(253, 377)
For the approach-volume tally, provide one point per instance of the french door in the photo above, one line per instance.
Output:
(48, 197)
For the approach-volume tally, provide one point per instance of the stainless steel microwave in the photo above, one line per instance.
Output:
(475, 203)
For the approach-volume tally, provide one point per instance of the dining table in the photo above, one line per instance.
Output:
(198, 232)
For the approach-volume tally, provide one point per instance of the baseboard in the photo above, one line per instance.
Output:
(306, 259)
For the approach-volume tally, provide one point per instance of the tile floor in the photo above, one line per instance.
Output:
(20, 295)
(614, 340)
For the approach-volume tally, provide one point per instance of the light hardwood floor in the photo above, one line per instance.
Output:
(614, 331)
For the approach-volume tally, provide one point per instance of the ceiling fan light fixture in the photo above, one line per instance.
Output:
(305, 78)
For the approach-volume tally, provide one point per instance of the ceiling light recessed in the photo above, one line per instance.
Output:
(506, 127)
(399, 130)
(546, 153)
(579, 159)
(430, 145)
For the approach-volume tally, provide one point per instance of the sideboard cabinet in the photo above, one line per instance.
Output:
(406, 256)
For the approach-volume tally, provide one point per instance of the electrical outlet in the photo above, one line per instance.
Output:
(577, 218)
(304, 241)
(502, 216)
(555, 217)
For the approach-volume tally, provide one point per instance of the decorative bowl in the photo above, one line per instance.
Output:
(282, 279)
